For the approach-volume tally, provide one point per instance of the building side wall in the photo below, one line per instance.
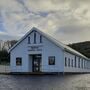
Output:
(84, 65)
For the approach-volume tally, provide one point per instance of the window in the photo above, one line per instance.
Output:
(65, 61)
(79, 63)
(18, 61)
(75, 62)
(85, 64)
(68, 62)
(40, 39)
(34, 37)
(51, 60)
(82, 63)
(28, 40)
(72, 63)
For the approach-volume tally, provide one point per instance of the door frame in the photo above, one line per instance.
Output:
(38, 60)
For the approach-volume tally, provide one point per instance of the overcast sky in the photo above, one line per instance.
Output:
(66, 20)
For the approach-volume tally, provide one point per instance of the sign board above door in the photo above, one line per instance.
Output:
(35, 48)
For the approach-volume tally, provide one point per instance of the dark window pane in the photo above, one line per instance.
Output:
(82, 63)
(51, 60)
(40, 39)
(34, 37)
(72, 62)
(18, 61)
(28, 40)
(75, 62)
(69, 62)
(79, 63)
(65, 61)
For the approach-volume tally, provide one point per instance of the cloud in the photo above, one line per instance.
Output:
(71, 29)
(71, 34)
(6, 36)
(62, 18)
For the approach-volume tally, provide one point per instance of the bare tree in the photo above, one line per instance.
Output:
(5, 45)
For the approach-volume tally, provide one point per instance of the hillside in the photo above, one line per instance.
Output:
(82, 47)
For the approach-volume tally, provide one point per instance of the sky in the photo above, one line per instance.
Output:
(66, 20)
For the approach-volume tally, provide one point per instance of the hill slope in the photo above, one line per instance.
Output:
(82, 47)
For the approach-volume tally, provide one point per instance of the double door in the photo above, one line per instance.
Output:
(36, 63)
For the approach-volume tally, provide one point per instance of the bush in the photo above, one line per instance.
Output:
(4, 57)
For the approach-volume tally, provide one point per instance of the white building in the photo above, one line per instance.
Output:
(39, 52)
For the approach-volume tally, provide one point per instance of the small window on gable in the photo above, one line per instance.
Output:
(34, 37)
(51, 60)
(40, 38)
(18, 61)
(29, 40)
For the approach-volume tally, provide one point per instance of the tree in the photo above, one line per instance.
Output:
(4, 46)
(4, 57)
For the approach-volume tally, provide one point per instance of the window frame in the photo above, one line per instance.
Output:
(29, 40)
(72, 63)
(68, 62)
(82, 63)
(79, 61)
(40, 38)
(65, 61)
(75, 63)
(50, 58)
(35, 37)
(18, 61)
